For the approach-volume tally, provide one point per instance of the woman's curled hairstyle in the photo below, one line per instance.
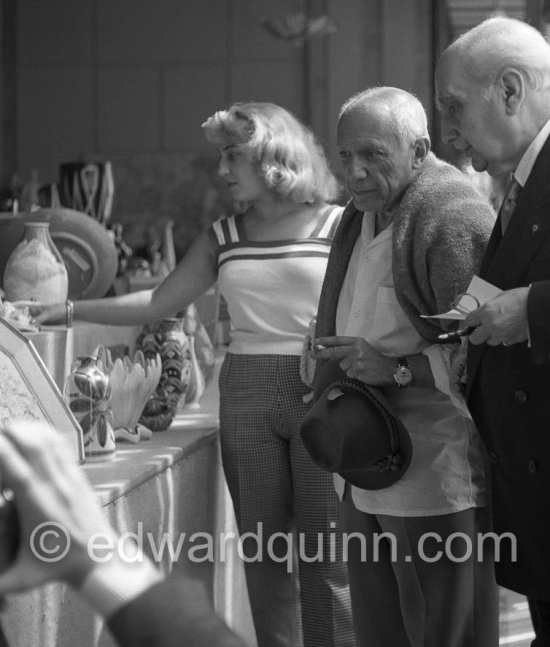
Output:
(290, 160)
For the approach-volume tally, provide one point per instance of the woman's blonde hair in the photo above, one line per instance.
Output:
(290, 160)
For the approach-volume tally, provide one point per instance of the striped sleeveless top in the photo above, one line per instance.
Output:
(272, 288)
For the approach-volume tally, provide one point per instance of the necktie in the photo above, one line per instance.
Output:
(509, 204)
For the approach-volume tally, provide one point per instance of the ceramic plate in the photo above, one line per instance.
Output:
(87, 248)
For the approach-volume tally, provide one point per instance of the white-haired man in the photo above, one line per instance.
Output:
(409, 242)
(493, 89)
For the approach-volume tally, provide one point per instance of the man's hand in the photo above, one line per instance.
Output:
(358, 359)
(502, 320)
(56, 507)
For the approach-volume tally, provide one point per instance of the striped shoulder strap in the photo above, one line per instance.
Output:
(226, 230)
(328, 223)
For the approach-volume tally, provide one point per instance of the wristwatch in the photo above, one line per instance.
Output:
(403, 374)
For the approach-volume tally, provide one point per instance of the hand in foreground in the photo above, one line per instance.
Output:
(357, 358)
(502, 320)
(49, 488)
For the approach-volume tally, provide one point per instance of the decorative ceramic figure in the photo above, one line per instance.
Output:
(196, 377)
(88, 394)
(168, 339)
(132, 381)
(35, 270)
(88, 187)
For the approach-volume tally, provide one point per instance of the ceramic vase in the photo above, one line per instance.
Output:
(88, 393)
(35, 270)
(168, 339)
(197, 382)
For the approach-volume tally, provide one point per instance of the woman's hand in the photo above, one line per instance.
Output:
(357, 358)
(55, 313)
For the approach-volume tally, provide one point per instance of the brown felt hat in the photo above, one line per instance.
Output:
(351, 430)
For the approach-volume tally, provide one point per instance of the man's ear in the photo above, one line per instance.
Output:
(421, 150)
(512, 89)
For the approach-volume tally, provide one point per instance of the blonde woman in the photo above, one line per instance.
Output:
(269, 260)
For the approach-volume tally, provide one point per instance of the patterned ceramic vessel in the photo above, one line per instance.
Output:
(168, 339)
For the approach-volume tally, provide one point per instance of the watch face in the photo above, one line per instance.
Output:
(403, 375)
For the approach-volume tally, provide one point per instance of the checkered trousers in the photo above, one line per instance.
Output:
(276, 488)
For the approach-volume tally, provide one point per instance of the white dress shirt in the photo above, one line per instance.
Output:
(446, 472)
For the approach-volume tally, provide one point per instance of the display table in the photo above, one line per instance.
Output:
(158, 489)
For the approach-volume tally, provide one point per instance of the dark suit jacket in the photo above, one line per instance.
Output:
(509, 390)
(174, 613)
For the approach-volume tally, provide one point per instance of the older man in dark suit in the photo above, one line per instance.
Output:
(493, 89)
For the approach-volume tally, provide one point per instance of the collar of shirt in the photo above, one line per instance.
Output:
(529, 158)
(369, 233)
(382, 220)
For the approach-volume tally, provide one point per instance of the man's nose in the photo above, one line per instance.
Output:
(356, 169)
(448, 129)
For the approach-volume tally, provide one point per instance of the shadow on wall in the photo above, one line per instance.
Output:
(153, 189)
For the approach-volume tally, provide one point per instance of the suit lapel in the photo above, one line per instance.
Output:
(519, 244)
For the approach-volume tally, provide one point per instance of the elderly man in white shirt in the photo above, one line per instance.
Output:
(408, 244)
